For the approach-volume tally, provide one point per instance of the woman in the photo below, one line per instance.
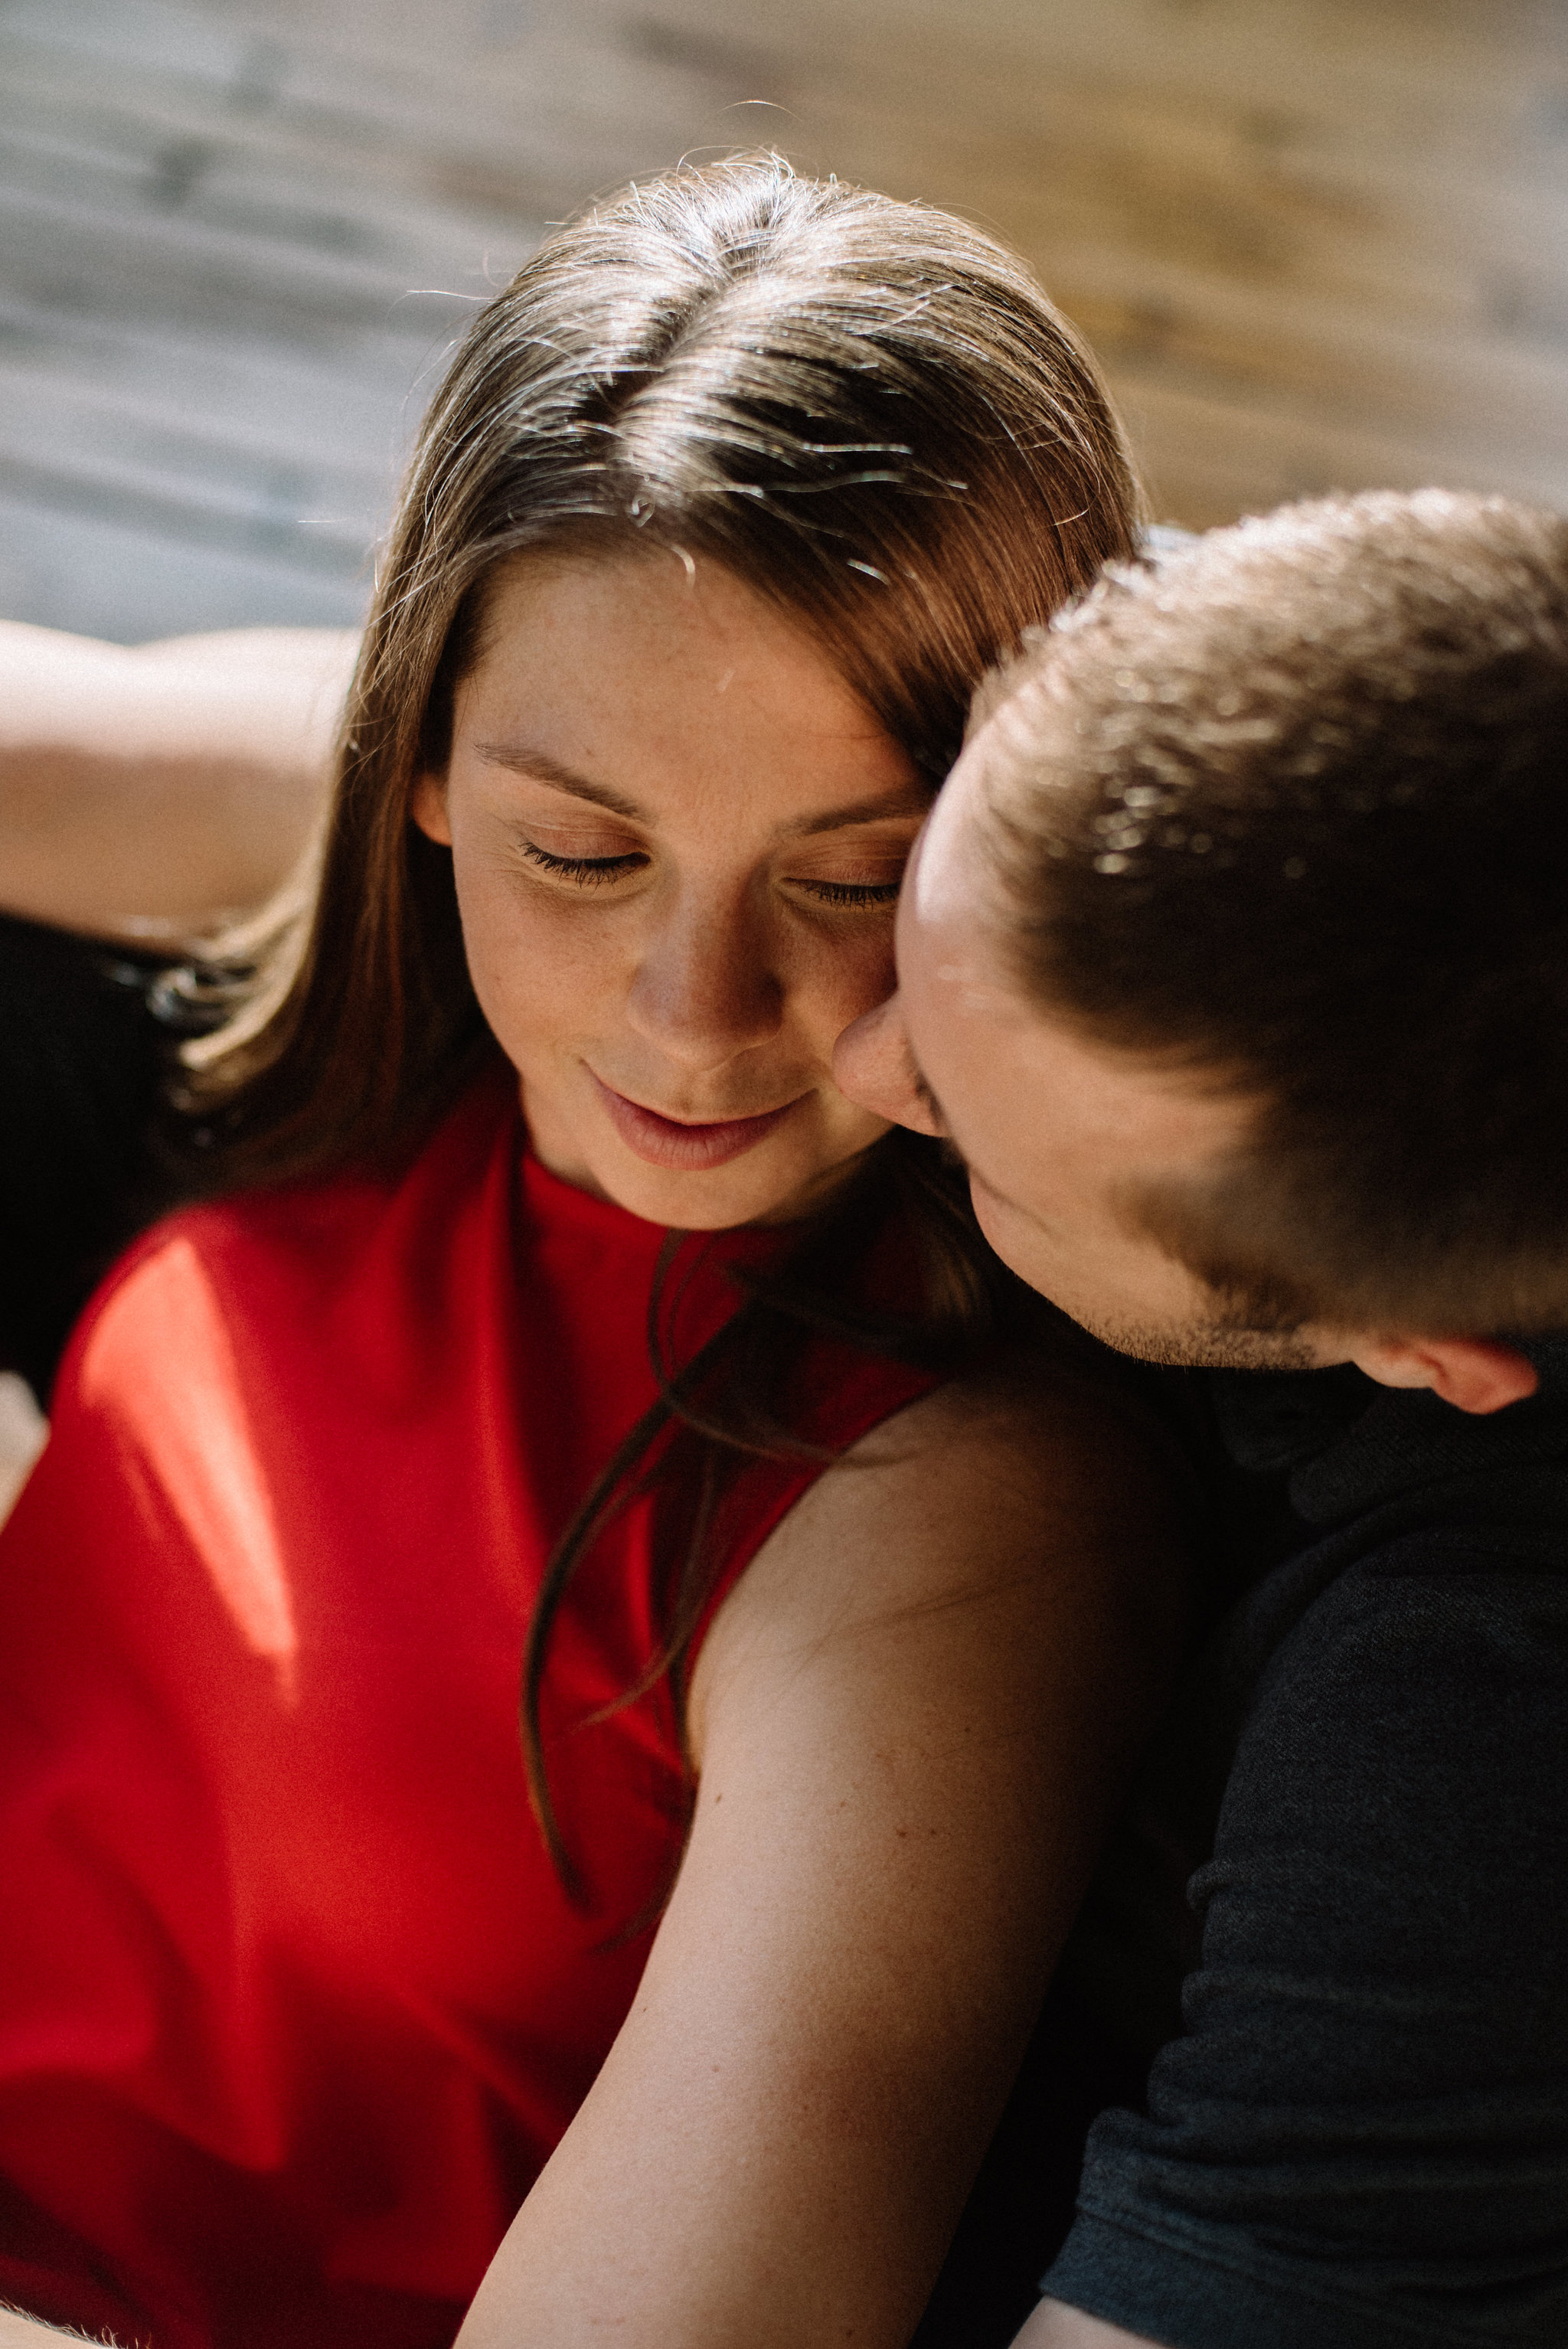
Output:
(842, 1616)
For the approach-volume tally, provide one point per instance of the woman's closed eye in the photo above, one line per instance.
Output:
(583, 872)
(849, 894)
(587, 872)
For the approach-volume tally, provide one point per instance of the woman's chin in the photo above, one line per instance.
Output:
(719, 1197)
(768, 1185)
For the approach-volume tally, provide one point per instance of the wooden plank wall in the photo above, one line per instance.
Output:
(1317, 243)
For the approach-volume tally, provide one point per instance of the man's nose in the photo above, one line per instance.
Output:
(873, 1065)
(706, 989)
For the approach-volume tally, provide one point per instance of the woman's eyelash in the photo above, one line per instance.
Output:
(590, 871)
(594, 872)
(851, 893)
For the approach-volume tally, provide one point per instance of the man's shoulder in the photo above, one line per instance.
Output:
(1408, 1706)
(1354, 1845)
(1424, 1642)
(1422, 1553)
(1347, 1852)
(1371, 1597)
(1409, 1676)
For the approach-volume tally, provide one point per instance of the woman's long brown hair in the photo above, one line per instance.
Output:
(869, 412)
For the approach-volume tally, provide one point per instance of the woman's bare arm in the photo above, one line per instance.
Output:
(147, 791)
(914, 1716)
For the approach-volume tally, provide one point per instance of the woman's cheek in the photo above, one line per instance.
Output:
(847, 976)
(542, 972)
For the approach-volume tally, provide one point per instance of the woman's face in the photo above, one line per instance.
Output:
(677, 837)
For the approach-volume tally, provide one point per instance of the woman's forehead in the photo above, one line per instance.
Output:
(640, 674)
(685, 606)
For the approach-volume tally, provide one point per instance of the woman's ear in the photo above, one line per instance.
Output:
(428, 808)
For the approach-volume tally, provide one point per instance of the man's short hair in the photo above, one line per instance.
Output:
(1291, 809)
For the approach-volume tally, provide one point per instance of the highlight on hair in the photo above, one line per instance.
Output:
(1290, 810)
(868, 412)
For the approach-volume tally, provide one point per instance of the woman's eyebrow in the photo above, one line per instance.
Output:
(545, 770)
(905, 800)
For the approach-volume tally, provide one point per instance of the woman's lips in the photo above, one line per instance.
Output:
(666, 1142)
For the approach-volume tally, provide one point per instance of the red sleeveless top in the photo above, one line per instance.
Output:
(293, 2006)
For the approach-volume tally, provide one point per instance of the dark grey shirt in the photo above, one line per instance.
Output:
(1355, 2132)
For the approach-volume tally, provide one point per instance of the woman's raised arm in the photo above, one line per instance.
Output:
(912, 1718)
(147, 791)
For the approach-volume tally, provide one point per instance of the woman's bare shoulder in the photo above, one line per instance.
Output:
(1038, 1437)
(1010, 1519)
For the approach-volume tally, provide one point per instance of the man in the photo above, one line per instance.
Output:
(1235, 962)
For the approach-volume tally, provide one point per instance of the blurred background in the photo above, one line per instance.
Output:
(1316, 243)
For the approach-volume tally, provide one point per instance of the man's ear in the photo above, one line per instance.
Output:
(1474, 1374)
(428, 808)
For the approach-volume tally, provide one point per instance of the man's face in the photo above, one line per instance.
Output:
(1059, 1137)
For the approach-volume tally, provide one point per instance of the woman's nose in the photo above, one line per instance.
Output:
(707, 990)
(873, 1065)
